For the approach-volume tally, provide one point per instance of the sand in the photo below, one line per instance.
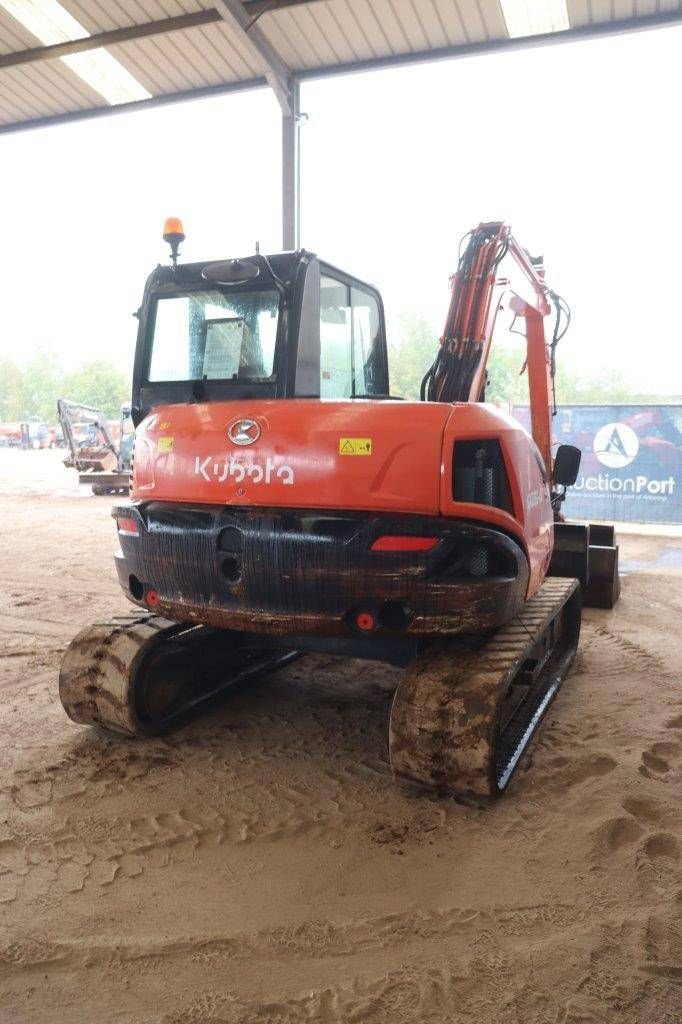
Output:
(261, 864)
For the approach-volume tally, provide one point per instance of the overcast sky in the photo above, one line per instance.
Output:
(577, 146)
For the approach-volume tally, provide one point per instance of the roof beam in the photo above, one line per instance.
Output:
(258, 7)
(277, 72)
(117, 35)
(254, 9)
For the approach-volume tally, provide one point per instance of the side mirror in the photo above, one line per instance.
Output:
(566, 465)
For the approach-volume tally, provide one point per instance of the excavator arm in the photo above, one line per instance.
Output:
(494, 270)
(479, 287)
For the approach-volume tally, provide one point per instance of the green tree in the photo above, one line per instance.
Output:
(100, 385)
(42, 382)
(507, 379)
(415, 343)
(410, 353)
(11, 390)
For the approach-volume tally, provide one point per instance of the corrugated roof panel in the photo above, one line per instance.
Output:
(495, 25)
(355, 17)
(578, 12)
(374, 30)
(96, 18)
(132, 56)
(226, 38)
(318, 35)
(157, 67)
(13, 35)
(600, 10)
(412, 24)
(306, 26)
(176, 50)
(392, 25)
(433, 26)
(332, 49)
(293, 45)
(623, 8)
(10, 113)
(321, 34)
(223, 54)
(470, 14)
(16, 97)
(452, 21)
(35, 91)
(162, 64)
(334, 24)
(68, 85)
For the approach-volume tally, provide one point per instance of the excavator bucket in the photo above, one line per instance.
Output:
(588, 552)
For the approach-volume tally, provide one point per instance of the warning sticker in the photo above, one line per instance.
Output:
(164, 444)
(355, 446)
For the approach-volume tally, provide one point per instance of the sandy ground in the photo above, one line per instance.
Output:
(261, 865)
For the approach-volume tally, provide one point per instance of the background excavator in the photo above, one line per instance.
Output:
(99, 460)
(283, 502)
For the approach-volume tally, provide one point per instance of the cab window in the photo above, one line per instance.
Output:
(349, 340)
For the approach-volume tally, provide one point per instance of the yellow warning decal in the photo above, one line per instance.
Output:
(355, 446)
(165, 444)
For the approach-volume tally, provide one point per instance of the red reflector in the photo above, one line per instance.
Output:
(393, 543)
(152, 598)
(128, 526)
(364, 621)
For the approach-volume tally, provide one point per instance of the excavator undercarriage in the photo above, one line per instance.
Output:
(461, 719)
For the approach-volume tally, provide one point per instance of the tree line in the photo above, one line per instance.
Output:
(416, 344)
(29, 392)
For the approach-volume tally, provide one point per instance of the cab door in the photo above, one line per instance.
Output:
(344, 356)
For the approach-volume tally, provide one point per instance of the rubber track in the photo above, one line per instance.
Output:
(105, 663)
(445, 727)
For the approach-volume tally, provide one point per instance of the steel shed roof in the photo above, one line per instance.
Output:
(176, 49)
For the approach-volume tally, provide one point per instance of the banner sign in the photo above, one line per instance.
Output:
(631, 468)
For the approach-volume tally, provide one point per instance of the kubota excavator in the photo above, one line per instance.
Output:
(283, 502)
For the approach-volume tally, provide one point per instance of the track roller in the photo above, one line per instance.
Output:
(466, 709)
(141, 674)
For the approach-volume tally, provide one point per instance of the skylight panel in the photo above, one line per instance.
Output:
(51, 23)
(534, 17)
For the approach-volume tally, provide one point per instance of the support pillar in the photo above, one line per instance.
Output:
(291, 171)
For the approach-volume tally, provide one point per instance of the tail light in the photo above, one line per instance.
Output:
(128, 526)
(390, 542)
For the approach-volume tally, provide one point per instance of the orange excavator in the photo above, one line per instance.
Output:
(283, 502)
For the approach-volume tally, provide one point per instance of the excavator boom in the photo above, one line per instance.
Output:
(478, 286)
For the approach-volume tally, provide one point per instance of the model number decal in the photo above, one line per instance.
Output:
(216, 470)
(355, 446)
(535, 498)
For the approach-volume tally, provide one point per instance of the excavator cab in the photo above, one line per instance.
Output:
(284, 326)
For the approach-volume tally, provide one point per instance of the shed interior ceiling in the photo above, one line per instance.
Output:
(174, 49)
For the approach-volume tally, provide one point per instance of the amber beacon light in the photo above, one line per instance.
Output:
(173, 233)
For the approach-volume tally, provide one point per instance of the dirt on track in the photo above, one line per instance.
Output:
(261, 864)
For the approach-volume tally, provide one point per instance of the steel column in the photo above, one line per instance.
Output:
(291, 170)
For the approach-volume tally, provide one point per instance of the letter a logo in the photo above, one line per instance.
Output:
(615, 445)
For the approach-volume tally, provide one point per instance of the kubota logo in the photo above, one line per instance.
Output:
(615, 445)
(243, 432)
